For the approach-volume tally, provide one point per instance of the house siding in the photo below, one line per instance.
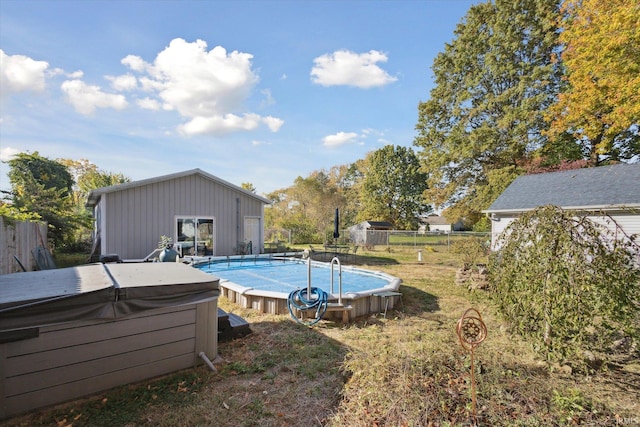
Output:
(135, 218)
(629, 222)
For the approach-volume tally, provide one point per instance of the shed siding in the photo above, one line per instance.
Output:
(138, 216)
(76, 359)
(629, 222)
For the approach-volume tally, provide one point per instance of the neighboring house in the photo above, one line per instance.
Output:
(368, 232)
(614, 190)
(203, 214)
(437, 223)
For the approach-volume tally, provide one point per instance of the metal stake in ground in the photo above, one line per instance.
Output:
(471, 331)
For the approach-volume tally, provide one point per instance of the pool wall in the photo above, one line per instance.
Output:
(363, 303)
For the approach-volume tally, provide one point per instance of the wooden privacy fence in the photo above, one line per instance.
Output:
(17, 239)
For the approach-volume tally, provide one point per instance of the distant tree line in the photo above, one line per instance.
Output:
(387, 185)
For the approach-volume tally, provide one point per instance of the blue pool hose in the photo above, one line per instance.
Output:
(298, 300)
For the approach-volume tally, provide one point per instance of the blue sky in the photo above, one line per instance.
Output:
(250, 91)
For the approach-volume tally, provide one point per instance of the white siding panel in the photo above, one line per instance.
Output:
(629, 222)
(497, 227)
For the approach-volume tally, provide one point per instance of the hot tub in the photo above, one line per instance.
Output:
(70, 332)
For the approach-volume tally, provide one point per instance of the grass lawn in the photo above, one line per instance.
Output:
(405, 370)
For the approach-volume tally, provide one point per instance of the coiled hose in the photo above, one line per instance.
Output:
(299, 300)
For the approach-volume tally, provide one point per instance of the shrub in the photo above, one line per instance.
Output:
(471, 251)
(567, 283)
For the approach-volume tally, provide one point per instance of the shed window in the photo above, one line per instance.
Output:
(195, 236)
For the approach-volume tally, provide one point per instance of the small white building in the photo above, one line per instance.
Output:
(613, 190)
(439, 224)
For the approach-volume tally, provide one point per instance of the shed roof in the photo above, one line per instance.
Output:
(437, 220)
(379, 224)
(95, 195)
(603, 187)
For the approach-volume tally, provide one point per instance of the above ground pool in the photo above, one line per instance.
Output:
(265, 282)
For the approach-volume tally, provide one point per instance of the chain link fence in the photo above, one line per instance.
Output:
(387, 238)
(410, 238)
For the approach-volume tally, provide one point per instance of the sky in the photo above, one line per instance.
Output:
(258, 92)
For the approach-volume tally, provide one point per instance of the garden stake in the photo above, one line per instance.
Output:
(471, 331)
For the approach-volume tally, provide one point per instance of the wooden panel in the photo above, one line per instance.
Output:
(207, 329)
(77, 333)
(64, 356)
(25, 402)
(74, 360)
(19, 238)
(89, 367)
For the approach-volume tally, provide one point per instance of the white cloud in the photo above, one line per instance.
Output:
(268, 98)
(134, 62)
(149, 104)
(125, 82)
(150, 85)
(257, 142)
(340, 138)
(7, 153)
(208, 88)
(19, 73)
(273, 123)
(346, 68)
(220, 125)
(60, 72)
(76, 75)
(86, 98)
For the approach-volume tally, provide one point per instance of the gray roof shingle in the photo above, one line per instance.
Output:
(604, 186)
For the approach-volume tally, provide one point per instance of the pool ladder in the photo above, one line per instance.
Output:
(332, 306)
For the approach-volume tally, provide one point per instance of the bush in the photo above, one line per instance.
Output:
(567, 283)
(471, 251)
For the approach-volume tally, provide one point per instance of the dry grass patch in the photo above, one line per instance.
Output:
(406, 370)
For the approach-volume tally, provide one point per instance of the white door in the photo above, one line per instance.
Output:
(252, 233)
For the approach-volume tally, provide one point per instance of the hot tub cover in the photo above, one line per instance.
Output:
(99, 291)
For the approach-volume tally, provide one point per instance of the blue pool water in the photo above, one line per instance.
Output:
(289, 275)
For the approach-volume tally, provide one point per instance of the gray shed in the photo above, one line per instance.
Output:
(370, 232)
(203, 214)
(70, 332)
(610, 189)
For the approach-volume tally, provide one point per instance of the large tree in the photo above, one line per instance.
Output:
(87, 177)
(484, 116)
(393, 187)
(600, 109)
(43, 186)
